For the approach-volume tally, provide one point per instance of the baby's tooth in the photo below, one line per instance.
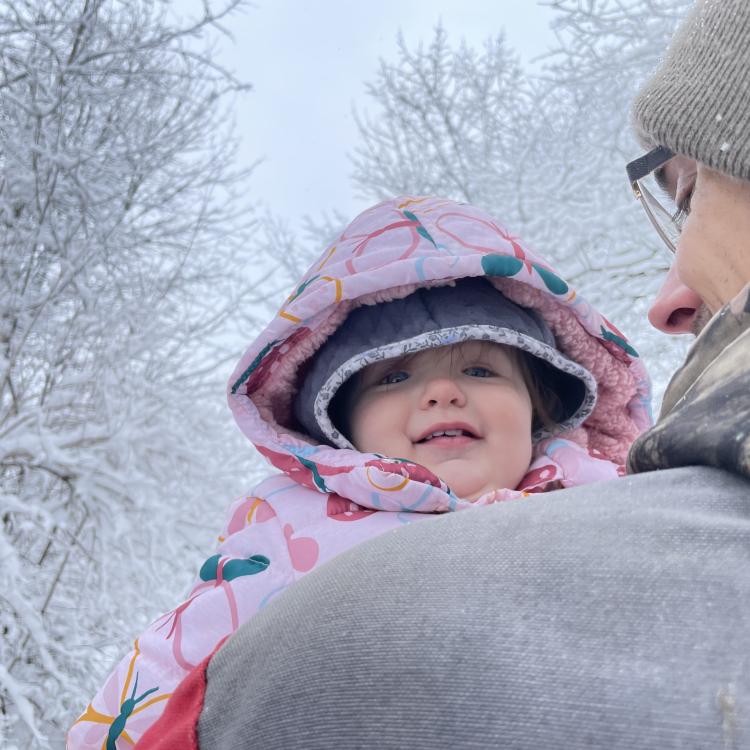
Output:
(446, 433)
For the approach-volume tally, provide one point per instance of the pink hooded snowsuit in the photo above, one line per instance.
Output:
(324, 500)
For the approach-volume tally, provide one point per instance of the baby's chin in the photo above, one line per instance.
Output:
(472, 496)
(473, 490)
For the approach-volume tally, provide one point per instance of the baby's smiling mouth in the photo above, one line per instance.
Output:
(448, 436)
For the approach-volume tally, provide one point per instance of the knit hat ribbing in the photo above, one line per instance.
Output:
(697, 103)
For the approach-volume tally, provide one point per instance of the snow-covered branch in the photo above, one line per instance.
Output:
(124, 255)
(544, 152)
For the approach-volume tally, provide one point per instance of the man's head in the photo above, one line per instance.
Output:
(712, 250)
(696, 107)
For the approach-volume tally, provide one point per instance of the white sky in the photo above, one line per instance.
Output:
(308, 61)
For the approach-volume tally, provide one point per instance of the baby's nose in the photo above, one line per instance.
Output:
(442, 391)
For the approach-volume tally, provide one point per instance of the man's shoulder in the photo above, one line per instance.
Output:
(685, 487)
(632, 505)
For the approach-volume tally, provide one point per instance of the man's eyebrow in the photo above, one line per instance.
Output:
(660, 175)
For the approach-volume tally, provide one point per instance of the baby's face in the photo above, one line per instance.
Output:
(462, 411)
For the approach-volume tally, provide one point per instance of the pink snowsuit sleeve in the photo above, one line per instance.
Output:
(251, 565)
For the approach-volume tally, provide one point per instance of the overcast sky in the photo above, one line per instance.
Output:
(308, 62)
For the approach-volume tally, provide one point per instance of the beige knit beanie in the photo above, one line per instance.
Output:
(697, 103)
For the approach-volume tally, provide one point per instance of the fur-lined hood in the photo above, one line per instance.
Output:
(386, 253)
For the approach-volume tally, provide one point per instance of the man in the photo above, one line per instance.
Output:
(615, 615)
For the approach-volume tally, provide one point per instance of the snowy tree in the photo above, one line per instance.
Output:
(125, 250)
(543, 151)
(607, 49)
(448, 121)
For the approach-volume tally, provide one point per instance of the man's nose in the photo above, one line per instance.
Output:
(675, 307)
(442, 391)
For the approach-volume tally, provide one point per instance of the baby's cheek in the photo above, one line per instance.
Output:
(369, 429)
(516, 455)
(358, 421)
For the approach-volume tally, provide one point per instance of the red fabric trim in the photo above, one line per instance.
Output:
(177, 727)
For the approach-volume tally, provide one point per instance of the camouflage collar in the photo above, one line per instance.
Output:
(705, 416)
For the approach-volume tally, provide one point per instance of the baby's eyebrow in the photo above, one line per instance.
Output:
(375, 370)
(404, 360)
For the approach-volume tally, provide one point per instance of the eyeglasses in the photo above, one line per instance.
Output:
(662, 213)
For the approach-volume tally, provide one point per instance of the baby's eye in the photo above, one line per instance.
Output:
(393, 377)
(478, 372)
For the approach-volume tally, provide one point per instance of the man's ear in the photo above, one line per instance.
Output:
(677, 308)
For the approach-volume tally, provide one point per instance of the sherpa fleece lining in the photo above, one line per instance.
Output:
(447, 337)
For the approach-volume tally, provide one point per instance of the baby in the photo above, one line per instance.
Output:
(427, 363)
